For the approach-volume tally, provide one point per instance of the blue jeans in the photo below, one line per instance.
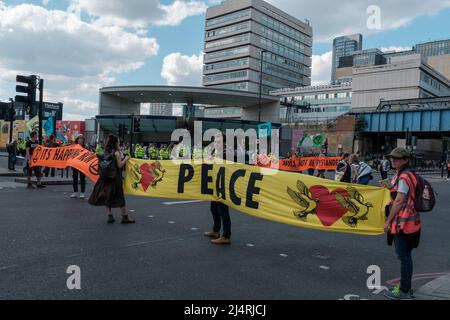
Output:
(364, 179)
(406, 263)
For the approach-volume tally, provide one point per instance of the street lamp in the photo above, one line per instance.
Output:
(260, 84)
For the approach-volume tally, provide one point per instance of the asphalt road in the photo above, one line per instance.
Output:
(165, 256)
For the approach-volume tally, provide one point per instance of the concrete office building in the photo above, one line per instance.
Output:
(237, 31)
(405, 77)
(344, 46)
(160, 109)
(323, 102)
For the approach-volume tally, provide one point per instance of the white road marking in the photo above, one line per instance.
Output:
(171, 222)
(132, 210)
(250, 245)
(181, 202)
(7, 267)
(194, 229)
(324, 267)
(76, 255)
(283, 255)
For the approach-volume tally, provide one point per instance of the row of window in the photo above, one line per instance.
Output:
(222, 42)
(278, 37)
(282, 50)
(283, 28)
(226, 76)
(428, 80)
(233, 86)
(228, 29)
(323, 96)
(283, 62)
(227, 53)
(280, 72)
(227, 64)
(228, 17)
(276, 82)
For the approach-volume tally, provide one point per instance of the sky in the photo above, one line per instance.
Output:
(79, 46)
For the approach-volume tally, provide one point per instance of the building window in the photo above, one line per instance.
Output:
(228, 17)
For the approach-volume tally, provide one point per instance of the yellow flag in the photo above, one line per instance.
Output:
(286, 197)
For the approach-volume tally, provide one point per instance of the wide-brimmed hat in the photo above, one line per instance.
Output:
(399, 153)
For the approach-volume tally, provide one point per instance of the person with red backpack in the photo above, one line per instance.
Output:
(410, 194)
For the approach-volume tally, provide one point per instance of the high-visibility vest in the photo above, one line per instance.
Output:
(98, 149)
(164, 154)
(153, 153)
(407, 219)
(140, 153)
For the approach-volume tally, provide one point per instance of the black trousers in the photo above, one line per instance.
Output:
(75, 180)
(384, 175)
(221, 215)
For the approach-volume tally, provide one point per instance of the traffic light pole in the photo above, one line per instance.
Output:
(41, 107)
(131, 136)
(11, 119)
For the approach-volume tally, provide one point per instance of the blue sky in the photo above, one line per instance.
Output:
(144, 42)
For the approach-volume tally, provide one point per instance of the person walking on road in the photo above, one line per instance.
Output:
(76, 173)
(29, 149)
(403, 224)
(109, 192)
(385, 166)
(344, 170)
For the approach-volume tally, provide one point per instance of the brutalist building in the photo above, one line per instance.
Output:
(240, 32)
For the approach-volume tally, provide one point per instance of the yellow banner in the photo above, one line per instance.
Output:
(286, 197)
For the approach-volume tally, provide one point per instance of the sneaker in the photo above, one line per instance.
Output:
(397, 294)
(81, 195)
(111, 218)
(221, 240)
(30, 186)
(397, 288)
(212, 234)
(126, 220)
(74, 195)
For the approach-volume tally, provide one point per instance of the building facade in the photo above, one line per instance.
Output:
(160, 109)
(405, 77)
(315, 103)
(344, 46)
(239, 32)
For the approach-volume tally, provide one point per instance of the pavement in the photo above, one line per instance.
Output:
(165, 256)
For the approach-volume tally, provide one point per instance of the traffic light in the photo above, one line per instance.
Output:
(136, 124)
(29, 89)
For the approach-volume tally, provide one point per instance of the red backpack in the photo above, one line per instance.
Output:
(424, 196)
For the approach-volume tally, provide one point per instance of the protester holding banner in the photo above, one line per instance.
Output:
(75, 173)
(403, 224)
(109, 192)
(30, 146)
(219, 211)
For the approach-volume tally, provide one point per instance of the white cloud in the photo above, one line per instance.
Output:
(74, 57)
(321, 68)
(331, 18)
(45, 2)
(139, 13)
(396, 49)
(180, 69)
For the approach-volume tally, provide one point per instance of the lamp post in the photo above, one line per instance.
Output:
(260, 84)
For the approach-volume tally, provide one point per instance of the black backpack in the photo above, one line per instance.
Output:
(107, 166)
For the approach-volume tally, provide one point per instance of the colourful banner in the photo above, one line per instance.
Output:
(285, 197)
(300, 164)
(73, 156)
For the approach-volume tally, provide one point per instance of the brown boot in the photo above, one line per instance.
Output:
(212, 234)
(221, 240)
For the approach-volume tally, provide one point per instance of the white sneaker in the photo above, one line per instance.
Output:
(81, 195)
(74, 195)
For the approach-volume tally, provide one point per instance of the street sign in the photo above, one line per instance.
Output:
(264, 129)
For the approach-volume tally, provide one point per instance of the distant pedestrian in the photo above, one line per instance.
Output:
(321, 173)
(385, 166)
(29, 149)
(76, 173)
(108, 191)
(364, 174)
(344, 170)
